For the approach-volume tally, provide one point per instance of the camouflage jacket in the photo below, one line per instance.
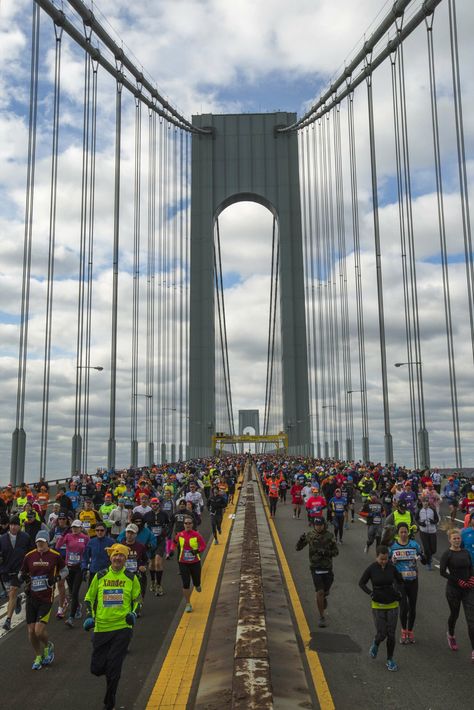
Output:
(322, 548)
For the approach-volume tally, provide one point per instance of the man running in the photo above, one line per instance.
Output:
(112, 605)
(322, 548)
(41, 569)
(14, 545)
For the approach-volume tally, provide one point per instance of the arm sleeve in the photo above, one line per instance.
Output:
(363, 581)
(443, 565)
(91, 595)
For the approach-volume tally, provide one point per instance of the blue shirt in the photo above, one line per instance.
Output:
(404, 557)
(95, 557)
(338, 505)
(74, 498)
(467, 541)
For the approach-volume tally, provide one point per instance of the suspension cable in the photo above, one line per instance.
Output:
(443, 245)
(222, 327)
(136, 284)
(51, 254)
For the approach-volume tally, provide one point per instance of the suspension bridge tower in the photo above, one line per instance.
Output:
(244, 158)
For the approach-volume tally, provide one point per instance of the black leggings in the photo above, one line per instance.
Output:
(385, 628)
(216, 522)
(273, 504)
(456, 597)
(109, 649)
(429, 541)
(190, 571)
(74, 581)
(338, 522)
(409, 592)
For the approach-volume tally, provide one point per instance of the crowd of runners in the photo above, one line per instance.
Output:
(101, 542)
(398, 506)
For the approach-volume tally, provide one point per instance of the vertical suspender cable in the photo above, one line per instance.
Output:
(306, 208)
(443, 245)
(90, 264)
(52, 240)
(19, 436)
(315, 238)
(181, 283)
(403, 248)
(378, 261)
(174, 294)
(321, 294)
(76, 458)
(461, 150)
(115, 273)
(358, 281)
(269, 351)
(136, 284)
(344, 306)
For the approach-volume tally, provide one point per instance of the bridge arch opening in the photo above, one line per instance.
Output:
(246, 240)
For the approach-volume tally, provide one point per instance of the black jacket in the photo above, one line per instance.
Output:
(12, 557)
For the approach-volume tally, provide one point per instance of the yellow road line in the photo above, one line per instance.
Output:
(173, 685)
(319, 679)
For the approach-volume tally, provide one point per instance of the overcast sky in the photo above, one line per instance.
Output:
(221, 57)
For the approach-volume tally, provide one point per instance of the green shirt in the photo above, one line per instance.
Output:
(112, 596)
(105, 510)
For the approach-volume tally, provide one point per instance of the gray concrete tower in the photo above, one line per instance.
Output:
(245, 159)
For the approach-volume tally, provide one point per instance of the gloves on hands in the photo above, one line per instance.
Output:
(89, 623)
(131, 618)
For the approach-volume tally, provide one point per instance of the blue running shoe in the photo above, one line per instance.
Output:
(391, 665)
(373, 650)
(37, 663)
(48, 654)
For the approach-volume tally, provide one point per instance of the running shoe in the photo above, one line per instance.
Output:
(198, 588)
(48, 654)
(410, 637)
(404, 636)
(37, 663)
(373, 650)
(322, 623)
(7, 624)
(69, 622)
(188, 608)
(152, 586)
(452, 642)
(60, 612)
(159, 590)
(18, 605)
(78, 613)
(216, 541)
(391, 665)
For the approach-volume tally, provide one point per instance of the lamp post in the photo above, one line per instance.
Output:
(422, 434)
(76, 452)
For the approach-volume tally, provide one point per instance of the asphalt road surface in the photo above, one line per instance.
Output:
(431, 676)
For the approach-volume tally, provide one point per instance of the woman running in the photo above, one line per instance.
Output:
(190, 545)
(296, 498)
(404, 553)
(456, 566)
(76, 542)
(385, 578)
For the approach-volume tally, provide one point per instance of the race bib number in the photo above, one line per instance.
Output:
(377, 519)
(156, 530)
(39, 584)
(408, 574)
(189, 556)
(105, 517)
(321, 571)
(112, 597)
(73, 558)
(86, 525)
(131, 565)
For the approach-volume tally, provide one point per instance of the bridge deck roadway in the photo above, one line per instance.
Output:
(252, 640)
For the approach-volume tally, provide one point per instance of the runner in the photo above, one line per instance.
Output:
(112, 604)
(456, 566)
(404, 555)
(95, 557)
(384, 578)
(322, 548)
(76, 542)
(315, 505)
(451, 495)
(89, 517)
(273, 494)
(14, 545)
(374, 509)
(159, 524)
(296, 493)
(119, 518)
(216, 506)
(338, 505)
(427, 520)
(467, 537)
(137, 559)
(41, 569)
(190, 545)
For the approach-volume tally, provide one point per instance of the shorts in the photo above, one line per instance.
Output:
(37, 611)
(188, 572)
(161, 547)
(10, 579)
(322, 580)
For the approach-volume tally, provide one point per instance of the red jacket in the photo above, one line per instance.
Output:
(190, 545)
